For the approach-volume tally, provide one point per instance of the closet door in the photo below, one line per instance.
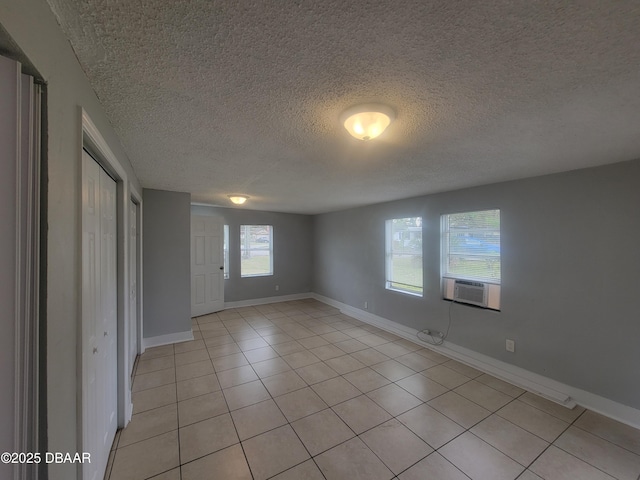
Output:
(9, 132)
(19, 266)
(109, 324)
(99, 316)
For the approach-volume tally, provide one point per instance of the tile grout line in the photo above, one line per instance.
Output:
(602, 438)
(240, 441)
(466, 430)
(526, 467)
(575, 456)
(552, 442)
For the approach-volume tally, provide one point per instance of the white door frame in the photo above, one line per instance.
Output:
(136, 198)
(92, 140)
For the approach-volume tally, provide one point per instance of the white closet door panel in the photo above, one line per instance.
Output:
(91, 312)
(9, 101)
(109, 325)
(99, 315)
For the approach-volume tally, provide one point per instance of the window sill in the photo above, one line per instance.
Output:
(412, 294)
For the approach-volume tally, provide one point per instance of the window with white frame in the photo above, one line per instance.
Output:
(471, 246)
(256, 250)
(404, 255)
(226, 251)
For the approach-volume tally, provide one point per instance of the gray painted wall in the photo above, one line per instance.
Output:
(166, 262)
(35, 30)
(570, 269)
(292, 252)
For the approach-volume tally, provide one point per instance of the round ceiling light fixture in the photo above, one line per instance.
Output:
(367, 121)
(238, 199)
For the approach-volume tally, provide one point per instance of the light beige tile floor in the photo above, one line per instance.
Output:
(297, 390)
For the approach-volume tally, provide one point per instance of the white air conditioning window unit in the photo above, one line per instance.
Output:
(467, 291)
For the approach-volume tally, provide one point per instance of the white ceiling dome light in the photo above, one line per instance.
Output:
(367, 121)
(238, 199)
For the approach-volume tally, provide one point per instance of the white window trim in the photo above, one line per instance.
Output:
(444, 256)
(270, 274)
(389, 262)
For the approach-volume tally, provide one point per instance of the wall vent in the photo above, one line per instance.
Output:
(474, 293)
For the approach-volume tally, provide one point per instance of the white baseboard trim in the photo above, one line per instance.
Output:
(558, 392)
(167, 339)
(263, 301)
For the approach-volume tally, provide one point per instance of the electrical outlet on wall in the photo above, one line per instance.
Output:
(511, 346)
(366, 305)
(277, 287)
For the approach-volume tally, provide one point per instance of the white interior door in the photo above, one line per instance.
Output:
(99, 316)
(207, 265)
(133, 285)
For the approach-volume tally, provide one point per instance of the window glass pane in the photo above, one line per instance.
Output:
(256, 250)
(404, 255)
(226, 251)
(471, 245)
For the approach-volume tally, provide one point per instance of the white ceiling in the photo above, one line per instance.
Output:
(238, 96)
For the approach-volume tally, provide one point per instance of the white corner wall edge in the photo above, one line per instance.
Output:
(266, 300)
(561, 393)
(167, 339)
(129, 413)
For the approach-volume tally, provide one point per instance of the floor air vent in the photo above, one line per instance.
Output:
(474, 293)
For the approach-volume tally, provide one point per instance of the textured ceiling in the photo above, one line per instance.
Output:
(219, 97)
